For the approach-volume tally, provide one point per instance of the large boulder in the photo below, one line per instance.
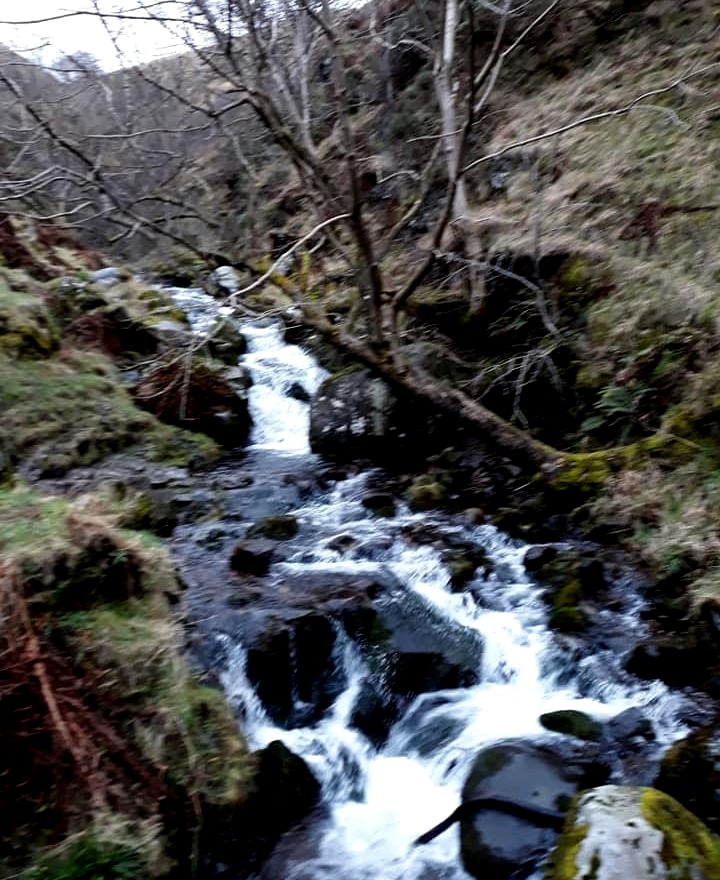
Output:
(357, 415)
(353, 416)
(495, 842)
(620, 832)
(281, 793)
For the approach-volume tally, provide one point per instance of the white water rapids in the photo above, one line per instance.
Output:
(380, 801)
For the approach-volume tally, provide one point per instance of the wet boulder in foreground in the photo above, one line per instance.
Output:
(618, 832)
(495, 842)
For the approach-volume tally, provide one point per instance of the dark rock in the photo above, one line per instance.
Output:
(629, 725)
(341, 543)
(659, 659)
(493, 843)
(282, 792)
(357, 416)
(290, 663)
(373, 714)
(536, 558)
(410, 653)
(253, 557)
(380, 503)
(572, 722)
(690, 772)
(352, 416)
(298, 392)
(462, 563)
(225, 341)
(279, 528)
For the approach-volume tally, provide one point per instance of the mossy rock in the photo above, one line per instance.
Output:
(690, 772)
(617, 832)
(279, 528)
(426, 492)
(26, 327)
(572, 722)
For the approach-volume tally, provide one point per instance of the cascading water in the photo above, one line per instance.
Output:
(379, 801)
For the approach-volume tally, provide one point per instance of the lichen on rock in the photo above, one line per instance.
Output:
(619, 832)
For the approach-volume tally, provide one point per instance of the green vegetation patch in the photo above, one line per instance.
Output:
(26, 328)
(91, 602)
(66, 410)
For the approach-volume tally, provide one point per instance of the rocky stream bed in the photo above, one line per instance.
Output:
(406, 657)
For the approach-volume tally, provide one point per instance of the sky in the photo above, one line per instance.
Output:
(138, 40)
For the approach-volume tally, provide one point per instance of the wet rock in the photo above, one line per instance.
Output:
(495, 844)
(373, 714)
(352, 416)
(380, 503)
(298, 392)
(690, 772)
(341, 543)
(283, 791)
(462, 563)
(572, 722)
(618, 832)
(536, 558)
(239, 377)
(290, 663)
(572, 577)
(253, 556)
(410, 653)
(629, 725)
(223, 281)
(356, 416)
(279, 528)
(659, 658)
(225, 342)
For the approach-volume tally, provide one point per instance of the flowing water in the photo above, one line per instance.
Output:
(379, 801)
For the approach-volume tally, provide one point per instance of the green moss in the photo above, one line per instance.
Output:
(565, 613)
(571, 721)
(689, 849)
(426, 492)
(29, 522)
(134, 651)
(583, 472)
(69, 409)
(87, 857)
(26, 327)
(562, 864)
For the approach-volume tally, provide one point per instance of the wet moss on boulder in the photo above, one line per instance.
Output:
(615, 832)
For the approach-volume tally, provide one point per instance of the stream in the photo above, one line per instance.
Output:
(379, 799)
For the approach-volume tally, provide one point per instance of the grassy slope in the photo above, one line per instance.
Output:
(656, 322)
(112, 748)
